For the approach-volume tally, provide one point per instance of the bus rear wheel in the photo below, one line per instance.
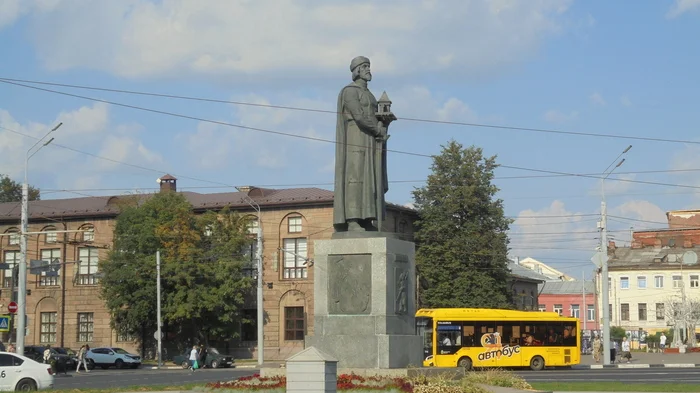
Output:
(537, 363)
(465, 363)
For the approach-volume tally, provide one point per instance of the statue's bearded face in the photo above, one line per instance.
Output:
(363, 72)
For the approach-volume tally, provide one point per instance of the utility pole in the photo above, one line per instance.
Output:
(159, 333)
(22, 287)
(584, 306)
(603, 259)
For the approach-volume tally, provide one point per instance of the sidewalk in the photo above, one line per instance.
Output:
(646, 360)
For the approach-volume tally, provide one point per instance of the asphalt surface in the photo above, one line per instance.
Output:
(99, 379)
(637, 375)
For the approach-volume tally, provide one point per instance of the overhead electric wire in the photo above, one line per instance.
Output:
(20, 82)
(157, 111)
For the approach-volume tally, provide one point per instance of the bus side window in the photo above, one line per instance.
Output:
(469, 335)
(509, 332)
(569, 336)
(533, 333)
(555, 333)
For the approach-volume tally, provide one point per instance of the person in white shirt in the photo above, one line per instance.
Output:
(626, 353)
(194, 355)
(662, 342)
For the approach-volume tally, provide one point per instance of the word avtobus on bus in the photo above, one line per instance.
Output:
(475, 337)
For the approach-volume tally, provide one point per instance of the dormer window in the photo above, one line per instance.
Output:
(89, 234)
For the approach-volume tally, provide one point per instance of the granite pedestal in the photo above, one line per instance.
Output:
(364, 302)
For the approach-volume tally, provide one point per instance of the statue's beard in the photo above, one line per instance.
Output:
(366, 76)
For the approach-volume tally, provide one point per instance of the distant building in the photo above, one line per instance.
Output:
(549, 272)
(523, 285)
(571, 298)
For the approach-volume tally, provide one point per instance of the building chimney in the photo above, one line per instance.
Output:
(657, 243)
(168, 183)
(636, 244)
(611, 245)
(687, 243)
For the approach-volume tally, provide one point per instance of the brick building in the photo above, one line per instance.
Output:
(66, 310)
(571, 298)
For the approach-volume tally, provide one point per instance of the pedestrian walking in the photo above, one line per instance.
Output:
(662, 342)
(597, 348)
(82, 353)
(47, 354)
(626, 353)
(194, 356)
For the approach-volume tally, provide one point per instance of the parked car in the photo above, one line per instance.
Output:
(107, 357)
(22, 373)
(36, 353)
(212, 359)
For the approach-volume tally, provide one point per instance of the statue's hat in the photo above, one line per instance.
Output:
(356, 62)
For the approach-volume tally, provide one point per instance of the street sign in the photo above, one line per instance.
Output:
(4, 323)
(12, 307)
(600, 258)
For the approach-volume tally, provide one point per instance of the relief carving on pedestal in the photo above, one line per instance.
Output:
(349, 284)
(401, 303)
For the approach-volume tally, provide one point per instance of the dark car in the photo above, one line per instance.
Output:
(36, 353)
(211, 358)
(73, 358)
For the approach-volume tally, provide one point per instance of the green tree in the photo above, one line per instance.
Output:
(617, 333)
(201, 269)
(461, 237)
(11, 191)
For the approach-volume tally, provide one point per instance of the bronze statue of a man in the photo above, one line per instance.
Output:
(360, 163)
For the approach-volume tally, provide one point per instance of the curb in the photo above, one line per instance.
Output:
(627, 365)
(251, 366)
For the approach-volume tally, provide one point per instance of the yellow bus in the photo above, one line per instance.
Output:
(476, 337)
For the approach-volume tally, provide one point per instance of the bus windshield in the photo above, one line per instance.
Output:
(424, 328)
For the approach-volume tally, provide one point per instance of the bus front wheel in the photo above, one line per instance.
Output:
(465, 363)
(537, 363)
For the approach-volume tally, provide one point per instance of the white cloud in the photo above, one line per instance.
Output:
(554, 116)
(87, 129)
(420, 102)
(625, 101)
(642, 210)
(142, 38)
(682, 6)
(597, 99)
(553, 227)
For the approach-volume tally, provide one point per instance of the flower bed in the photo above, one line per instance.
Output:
(346, 382)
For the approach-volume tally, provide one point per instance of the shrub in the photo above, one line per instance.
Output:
(497, 377)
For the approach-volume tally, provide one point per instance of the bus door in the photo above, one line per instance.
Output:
(449, 342)
(485, 342)
(508, 343)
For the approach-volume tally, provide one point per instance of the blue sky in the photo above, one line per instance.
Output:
(625, 68)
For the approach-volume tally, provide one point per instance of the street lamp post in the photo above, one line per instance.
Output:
(604, 256)
(22, 287)
(258, 256)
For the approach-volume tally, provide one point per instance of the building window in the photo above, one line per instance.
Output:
(658, 281)
(293, 323)
(591, 312)
(624, 283)
(660, 311)
(624, 312)
(609, 284)
(294, 224)
(575, 311)
(85, 327)
(249, 326)
(610, 311)
(49, 256)
(642, 310)
(14, 238)
(694, 281)
(126, 337)
(641, 282)
(252, 227)
(295, 258)
(51, 236)
(542, 307)
(48, 327)
(677, 281)
(11, 260)
(558, 309)
(89, 234)
(88, 258)
(250, 268)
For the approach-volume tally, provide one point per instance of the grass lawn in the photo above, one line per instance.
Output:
(615, 387)
(150, 388)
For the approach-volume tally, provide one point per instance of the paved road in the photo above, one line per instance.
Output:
(646, 375)
(653, 358)
(123, 378)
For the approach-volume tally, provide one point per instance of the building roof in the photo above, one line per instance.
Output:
(549, 272)
(566, 287)
(625, 258)
(522, 272)
(108, 206)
